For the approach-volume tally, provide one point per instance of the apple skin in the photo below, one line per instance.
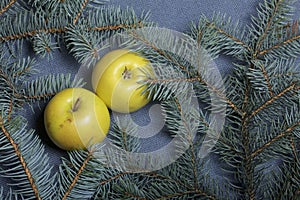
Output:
(116, 80)
(76, 118)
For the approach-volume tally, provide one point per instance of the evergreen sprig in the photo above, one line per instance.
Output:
(9, 7)
(30, 167)
(86, 39)
(256, 153)
(264, 130)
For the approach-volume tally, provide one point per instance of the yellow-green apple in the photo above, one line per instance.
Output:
(76, 118)
(117, 77)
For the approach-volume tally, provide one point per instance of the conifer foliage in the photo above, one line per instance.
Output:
(256, 155)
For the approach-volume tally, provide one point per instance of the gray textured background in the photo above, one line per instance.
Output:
(171, 14)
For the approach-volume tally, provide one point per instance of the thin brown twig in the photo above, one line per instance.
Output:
(178, 181)
(174, 195)
(84, 4)
(246, 98)
(116, 27)
(5, 8)
(124, 142)
(245, 142)
(39, 96)
(76, 177)
(10, 109)
(247, 159)
(291, 30)
(276, 138)
(114, 178)
(271, 100)
(199, 37)
(235, 39)
(170, 80)
(294, 149)
(267, 78)
(64, 30)
(294, 29)
(135, 196)
(21, 159)
(191, 143)
(32, 33)
(267, 28)
(19, 73)
(221, 94)
(288, 41)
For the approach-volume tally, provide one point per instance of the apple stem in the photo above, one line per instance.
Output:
(76, 105)
(127, 74)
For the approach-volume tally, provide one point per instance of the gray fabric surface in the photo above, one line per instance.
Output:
(171, 14)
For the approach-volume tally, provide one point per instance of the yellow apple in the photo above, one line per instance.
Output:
(76, 118)
(116, 79)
